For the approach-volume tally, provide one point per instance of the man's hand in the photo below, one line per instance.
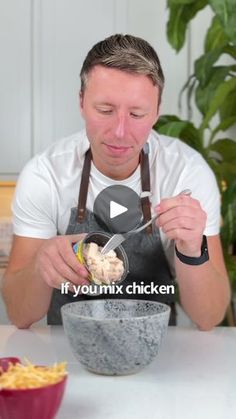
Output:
(36, 266)
(183, 220)
(55, 262)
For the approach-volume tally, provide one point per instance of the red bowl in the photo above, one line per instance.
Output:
(4, 362)
(33, 403)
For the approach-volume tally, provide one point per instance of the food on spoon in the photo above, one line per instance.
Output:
(105, 268)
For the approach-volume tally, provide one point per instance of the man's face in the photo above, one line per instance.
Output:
(119, 110)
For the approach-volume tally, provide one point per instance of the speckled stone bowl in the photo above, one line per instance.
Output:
(115, 337)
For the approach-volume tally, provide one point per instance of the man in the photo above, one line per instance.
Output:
(121, 87)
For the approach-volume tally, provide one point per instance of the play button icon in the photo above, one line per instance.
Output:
(117, 209)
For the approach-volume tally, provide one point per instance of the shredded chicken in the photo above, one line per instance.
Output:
(106, 268)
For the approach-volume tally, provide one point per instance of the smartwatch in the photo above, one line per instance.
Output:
(189, 260)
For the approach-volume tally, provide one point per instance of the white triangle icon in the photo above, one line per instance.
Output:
(116, 209)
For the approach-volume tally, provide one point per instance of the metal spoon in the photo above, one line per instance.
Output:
(118, 238)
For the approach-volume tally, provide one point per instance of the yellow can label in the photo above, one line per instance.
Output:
(78, 250)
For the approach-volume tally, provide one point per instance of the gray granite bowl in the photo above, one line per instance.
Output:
(115, 337)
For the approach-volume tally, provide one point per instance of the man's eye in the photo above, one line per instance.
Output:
(105, 111)
(136, 115)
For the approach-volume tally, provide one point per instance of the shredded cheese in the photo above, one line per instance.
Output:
(19, 376)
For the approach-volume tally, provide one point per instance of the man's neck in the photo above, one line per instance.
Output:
(117, 172)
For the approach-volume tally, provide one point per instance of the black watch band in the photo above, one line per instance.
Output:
(189, 260)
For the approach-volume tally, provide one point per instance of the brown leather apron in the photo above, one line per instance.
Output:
(147, 261)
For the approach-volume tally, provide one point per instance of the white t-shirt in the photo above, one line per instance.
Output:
(48, 186)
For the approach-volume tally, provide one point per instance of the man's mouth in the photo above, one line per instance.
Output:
(117, 149)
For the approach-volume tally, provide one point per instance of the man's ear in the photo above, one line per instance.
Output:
(157, 116)
(81, 102)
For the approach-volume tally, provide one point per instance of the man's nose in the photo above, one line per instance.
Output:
(121, 126)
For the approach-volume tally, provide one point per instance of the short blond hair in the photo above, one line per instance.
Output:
(127, 53)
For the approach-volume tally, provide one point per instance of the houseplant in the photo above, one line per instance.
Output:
(212, 90)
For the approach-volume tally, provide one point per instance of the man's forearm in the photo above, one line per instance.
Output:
(26, 296)
(204, 293)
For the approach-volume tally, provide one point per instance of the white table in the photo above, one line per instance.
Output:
(193, 377)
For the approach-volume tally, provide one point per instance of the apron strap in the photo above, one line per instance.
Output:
(83, 192)
(145, 183)
(146, 189)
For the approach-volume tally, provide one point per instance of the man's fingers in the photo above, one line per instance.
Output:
(178, 214)
(69, 257)
(182, 219)
(56, 276)
(66, 271)
(183, 234)
(177, 201)
(74, 238)
(179, 223)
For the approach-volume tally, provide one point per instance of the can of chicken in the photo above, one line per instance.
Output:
(107, 269)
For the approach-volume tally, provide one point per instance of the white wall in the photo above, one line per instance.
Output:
(15, 85)
(43, 45)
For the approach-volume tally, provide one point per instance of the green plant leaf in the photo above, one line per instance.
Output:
(218, 99)
(215, 37)
(229, 214)
(228, 172)
(229, 196)
(173, 129)
(171, 2)
(203, 66)
(191, 136)
(165, 119)
(190, 92)
(184, 130)
(230, 262)
(229, 227)
(185, 87)
(230, 50)
(204, 95)
(224, 172)
(226, 148)
(215, 93)
(168, 118)
(224, 125)
(226, 12)
(179, 17)
(228, 108)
